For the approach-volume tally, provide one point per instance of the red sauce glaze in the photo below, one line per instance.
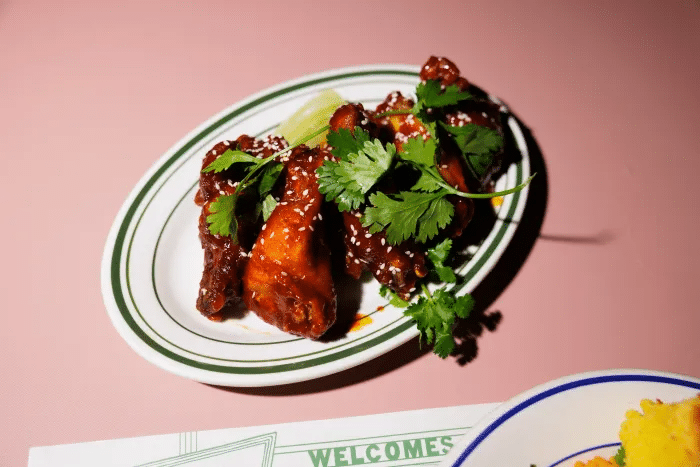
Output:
(288, 281)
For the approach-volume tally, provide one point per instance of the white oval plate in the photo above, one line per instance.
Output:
(153, 260)
(569, 419)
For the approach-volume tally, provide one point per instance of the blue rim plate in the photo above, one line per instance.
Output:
(572, 418)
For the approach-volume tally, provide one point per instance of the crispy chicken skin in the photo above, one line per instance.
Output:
(224, 260)
(287, 281)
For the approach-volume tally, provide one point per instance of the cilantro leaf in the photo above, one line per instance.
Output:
(477, 143)
(329, 184)
(345, 142)
(420, 151)
(464, 304)
(393, 297)
(268, 205)
(268, 178)
(620, 457)
(437, 256)
(348, 180)
(228, 158)
(431, 95)
(444, 342)
(426, 182)
(408, 214)
(435, 316)
(371, 162)
(221, 220)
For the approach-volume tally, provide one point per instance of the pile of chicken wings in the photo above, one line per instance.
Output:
(281, 269)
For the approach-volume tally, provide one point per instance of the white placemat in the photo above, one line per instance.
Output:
(420, 437)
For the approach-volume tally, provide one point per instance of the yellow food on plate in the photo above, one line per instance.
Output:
(663, 435)
(597, 462)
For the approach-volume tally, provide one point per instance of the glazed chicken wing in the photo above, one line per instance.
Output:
(287, 281)
(397, 266)
(224, 259)
(480, 110)
(281, 269)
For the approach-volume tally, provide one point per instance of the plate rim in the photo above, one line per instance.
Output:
(480, 432)
(123, 221)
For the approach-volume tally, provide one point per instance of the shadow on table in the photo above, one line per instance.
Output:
(469, 330)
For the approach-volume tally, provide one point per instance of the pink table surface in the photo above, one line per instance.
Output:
(92, 93)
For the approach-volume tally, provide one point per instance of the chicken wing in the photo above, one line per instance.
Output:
(287, 281)
(396, 266)
(224, 259)
(480, 110)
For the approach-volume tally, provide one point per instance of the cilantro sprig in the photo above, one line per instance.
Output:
(261, 173)
(348, 180)
(478, 144)
(419, 212)
(435, 315)
(431, 95)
